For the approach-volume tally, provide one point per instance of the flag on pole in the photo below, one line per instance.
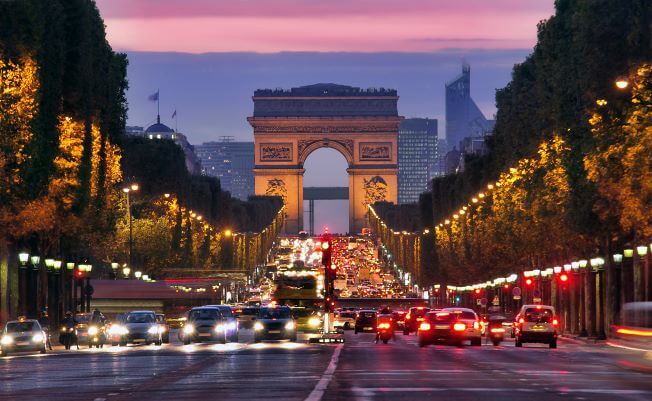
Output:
(174, 114)
(154, 97)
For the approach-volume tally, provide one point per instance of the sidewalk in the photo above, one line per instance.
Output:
(574, 338)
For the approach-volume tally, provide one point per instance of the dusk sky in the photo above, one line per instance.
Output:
(208, 56)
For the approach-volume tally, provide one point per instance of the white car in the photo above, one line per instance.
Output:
(536, 324)
(344, 320)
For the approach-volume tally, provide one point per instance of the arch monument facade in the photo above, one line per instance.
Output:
(361, 124)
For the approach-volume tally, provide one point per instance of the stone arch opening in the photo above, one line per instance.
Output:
(325, 179)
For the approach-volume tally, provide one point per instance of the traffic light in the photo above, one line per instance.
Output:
(477, 291)
(528, 282)
(563, 278)
(326, 250)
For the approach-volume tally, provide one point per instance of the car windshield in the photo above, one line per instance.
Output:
(419, 311)
(367, 315)
(274, 313)
(140, 318)
(204, 314)
(533, 315)
(249, 312)
(226, 311)
(441, 317)
(15, 327)
(302, 312)
(83, 318)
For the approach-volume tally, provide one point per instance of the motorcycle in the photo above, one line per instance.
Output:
(95, 336)
(496, 331)
(384, 331)
(68, 337)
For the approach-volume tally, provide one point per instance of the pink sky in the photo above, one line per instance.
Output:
(199, 26)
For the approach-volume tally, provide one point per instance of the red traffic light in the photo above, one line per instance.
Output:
(477, 291)
(506, 286)
(528, 281)
(563, 278)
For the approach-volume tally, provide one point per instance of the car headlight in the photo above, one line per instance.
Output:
(314, 321)
(219, 328)
(188, 329)
(153, 330)
(6, 340)
(258, 326)
(231, 326)
(92, 331)
(37, 338)
(289, 326)
(162, 329)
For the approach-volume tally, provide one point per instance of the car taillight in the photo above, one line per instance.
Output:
(424, 326)
(459, 327)
(521, 320)
(408, 316)
(476, 325)
(383, 326)
(555, 322)
(497, 330)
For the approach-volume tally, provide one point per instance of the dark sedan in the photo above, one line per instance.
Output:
(275, 323)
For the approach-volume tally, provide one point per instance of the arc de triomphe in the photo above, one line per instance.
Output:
(361, 124)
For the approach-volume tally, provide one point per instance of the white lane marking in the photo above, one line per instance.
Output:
(321, 386)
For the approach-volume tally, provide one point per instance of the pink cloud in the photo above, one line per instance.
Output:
(308, 25)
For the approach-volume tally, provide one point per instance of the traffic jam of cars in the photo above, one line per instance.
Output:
(287, 303)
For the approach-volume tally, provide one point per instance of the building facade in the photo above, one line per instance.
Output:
(417, 157)
(162, 131)
(361, 124)
(232, 162)
(463, 117)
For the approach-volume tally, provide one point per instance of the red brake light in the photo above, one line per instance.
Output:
(555, 322)
(408, 316)
(425, 326)
(459, 327)
(476, 325)
(521, 320)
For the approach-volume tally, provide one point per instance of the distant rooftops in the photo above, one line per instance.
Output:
(324, 90)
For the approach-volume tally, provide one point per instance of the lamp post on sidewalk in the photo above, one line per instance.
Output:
(128, 190)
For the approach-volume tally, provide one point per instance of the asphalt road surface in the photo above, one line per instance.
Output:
(356, 370)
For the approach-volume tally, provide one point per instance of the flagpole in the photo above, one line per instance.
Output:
(176, 120)
(158, 103)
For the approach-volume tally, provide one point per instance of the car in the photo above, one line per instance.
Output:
(141, 326)
(399, 319)
(450, 325)
(164, 327)
(413, 319)
(344, 320)
(365, 321)
(307, 320)
(275, 323)
(205, 323)
(536, 324)
(246, 316)
(22, 335)
(91, 333)
(230, 320)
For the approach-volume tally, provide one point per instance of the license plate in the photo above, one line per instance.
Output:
(539, 327)
(368, 328)
(419, 319)
(204, 334)
(22, 343)
(441, 327)
(274, 332)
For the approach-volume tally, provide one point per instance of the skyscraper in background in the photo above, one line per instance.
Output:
(232, 162)
(417, 157)
(463, 117)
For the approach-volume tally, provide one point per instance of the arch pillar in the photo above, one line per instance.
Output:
(288, 184)
(369, 185)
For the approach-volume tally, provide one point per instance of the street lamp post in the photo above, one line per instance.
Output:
(128, 190)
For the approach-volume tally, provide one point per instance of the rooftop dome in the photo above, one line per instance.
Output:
(158, 127)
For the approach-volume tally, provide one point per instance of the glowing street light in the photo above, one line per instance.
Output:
(138, 274)
(622, 83)
(126, 271)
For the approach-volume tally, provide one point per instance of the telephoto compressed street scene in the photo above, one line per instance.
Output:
(313, 200)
